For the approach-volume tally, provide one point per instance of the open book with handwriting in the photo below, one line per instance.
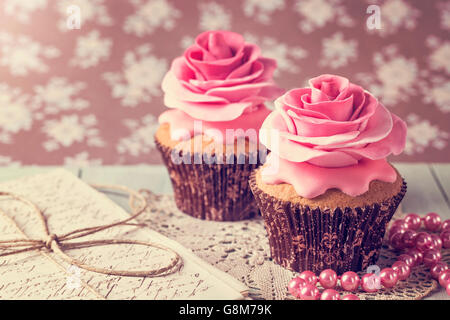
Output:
(68, 204)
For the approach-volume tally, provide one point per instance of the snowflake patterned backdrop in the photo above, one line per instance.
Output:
(92, 96)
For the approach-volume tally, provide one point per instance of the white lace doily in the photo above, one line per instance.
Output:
(242, 250)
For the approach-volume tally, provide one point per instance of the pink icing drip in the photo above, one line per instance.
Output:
(310, 181)
(180, 123)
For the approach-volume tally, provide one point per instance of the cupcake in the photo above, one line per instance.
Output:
(208, 138)
(327, 191)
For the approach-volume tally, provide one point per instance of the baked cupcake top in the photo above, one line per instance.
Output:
(331, 135)
(220, 80)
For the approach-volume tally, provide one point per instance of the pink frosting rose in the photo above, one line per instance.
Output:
(333, 124)
(219, 78)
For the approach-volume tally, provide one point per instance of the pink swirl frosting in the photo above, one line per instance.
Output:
(332, 124)
(219, 78)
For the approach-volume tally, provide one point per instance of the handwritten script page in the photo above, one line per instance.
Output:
(69, 204)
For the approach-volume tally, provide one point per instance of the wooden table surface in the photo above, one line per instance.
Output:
(428, 185)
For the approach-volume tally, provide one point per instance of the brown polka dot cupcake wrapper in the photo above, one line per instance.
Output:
(303, 238)
(217, 192)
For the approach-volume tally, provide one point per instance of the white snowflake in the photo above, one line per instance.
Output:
(91, 49)
(395, 14)
(439, 59)
(16, 112)
(81, 160)
(444, 9)
(284, 55)
(261, 11)
(60, 95)
(22, 55)
(90, 10)
(438, 93)
(422, 135)
(337, 52)
(22, 9)
(317, 13)
(141, 140)
(186, 42)
(71, 129)
(149, 16)
(8, 161)
(396, 77)
(15, 117)
(214, 16)
(141, 78)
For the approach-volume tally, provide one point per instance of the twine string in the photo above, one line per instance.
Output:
(59, 243)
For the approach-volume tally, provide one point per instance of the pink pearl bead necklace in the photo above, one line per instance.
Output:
(421, 247)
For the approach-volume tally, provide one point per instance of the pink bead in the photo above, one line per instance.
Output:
(436, 242)
(444, 278)
(399, 223)
(395, 230)
(409, 238)
(445, 225)
(328, 279)
(330, 294)
(403, 271)
(388, 277)
(406, 258)
(417, 256)
(396, 240)
(294, 286)
(432, 221)
(350, 297)
(437, 268)
(423, 240)
(413, 221)
(431, 257)
(309, 277)
(370, 282)
(350, 281)
(309, 292)
(445, 237)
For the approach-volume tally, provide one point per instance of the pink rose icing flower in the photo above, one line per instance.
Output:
(219, 78)
(329, 128)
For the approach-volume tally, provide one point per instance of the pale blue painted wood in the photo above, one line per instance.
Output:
(9, 173)
(152, 177)
(423, 194)
(441, 172)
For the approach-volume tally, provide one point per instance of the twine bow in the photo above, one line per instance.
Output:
(59, 243)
